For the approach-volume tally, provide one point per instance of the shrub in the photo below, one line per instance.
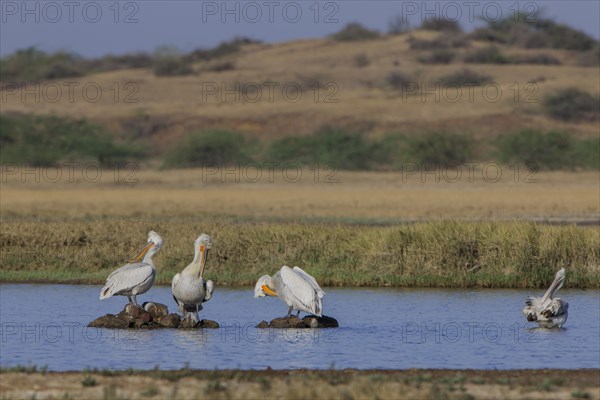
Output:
(116, 62)
(361, 60)
(587, 153)
(344, 149)
(398, 25)
(221, 50)
(534, 32)
(465, 76)
(32, 65)
(444, 41)
(209, 147)
(43, 140)
(537, 150)
(541, 59)
(355, 31)
(439, 148)
(438, 57)
(441, 24)
(486, 55)
(400, 81)
(572, 104)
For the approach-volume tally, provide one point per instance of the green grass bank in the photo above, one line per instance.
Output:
(436, 254)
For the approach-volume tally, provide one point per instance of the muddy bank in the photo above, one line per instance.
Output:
(318, 384)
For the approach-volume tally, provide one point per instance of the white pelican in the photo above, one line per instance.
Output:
(547, 311)
(135, 277)
(189, 288)
(296, 288)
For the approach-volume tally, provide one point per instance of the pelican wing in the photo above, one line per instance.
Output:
(300, 290)
(126, 278)
(311, 280)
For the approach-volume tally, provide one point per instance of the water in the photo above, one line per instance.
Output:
(45, 325)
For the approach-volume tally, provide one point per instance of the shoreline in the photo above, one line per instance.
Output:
(303, 383)
(84, 282)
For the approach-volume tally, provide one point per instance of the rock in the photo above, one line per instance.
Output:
(132, 310)
(143, 319)
(310, 321)
(313, 321)
(111, 321)
(287, 322)
(262, 324)
(156, 310)
(170, 321)
(188, 322)
(150, 316)
(208, 324)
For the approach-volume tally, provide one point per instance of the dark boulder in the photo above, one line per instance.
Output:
(320, 322)
(170, 321)
(112, 322)
(310, 321)
(208, 324)
(262, 324)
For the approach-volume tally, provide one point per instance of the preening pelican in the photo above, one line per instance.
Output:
(547, 311)
(296, 288)
(189, 288)
(135, 277)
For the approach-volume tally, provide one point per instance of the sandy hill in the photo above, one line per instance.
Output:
(341, 83)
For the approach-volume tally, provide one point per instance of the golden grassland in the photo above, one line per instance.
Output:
(360, 98)
(361, 197)
(303, 384)
(345, 234)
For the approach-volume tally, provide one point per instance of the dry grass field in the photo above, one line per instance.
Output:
(340, 196)
(303, 384)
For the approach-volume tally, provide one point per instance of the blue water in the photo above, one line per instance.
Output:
(45, 325)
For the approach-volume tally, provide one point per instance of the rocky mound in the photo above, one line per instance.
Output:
(150, 316)
(310, 321)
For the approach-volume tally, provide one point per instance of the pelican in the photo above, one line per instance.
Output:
(547, 311)
(189, 288)
(295, 287)
(135, 277)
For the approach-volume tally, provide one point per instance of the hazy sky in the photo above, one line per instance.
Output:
(94, 28)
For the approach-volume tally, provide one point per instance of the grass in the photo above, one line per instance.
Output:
(441, 254)
(301, 383)
(88, 381)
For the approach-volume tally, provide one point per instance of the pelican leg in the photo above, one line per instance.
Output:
(298, 314)
(134, 300)
(289, 312)
(129, 297)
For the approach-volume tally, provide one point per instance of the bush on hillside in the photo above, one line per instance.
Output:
(354, 32)
(210, 147)
(343, 149)
(572, 104)
(43, 140)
